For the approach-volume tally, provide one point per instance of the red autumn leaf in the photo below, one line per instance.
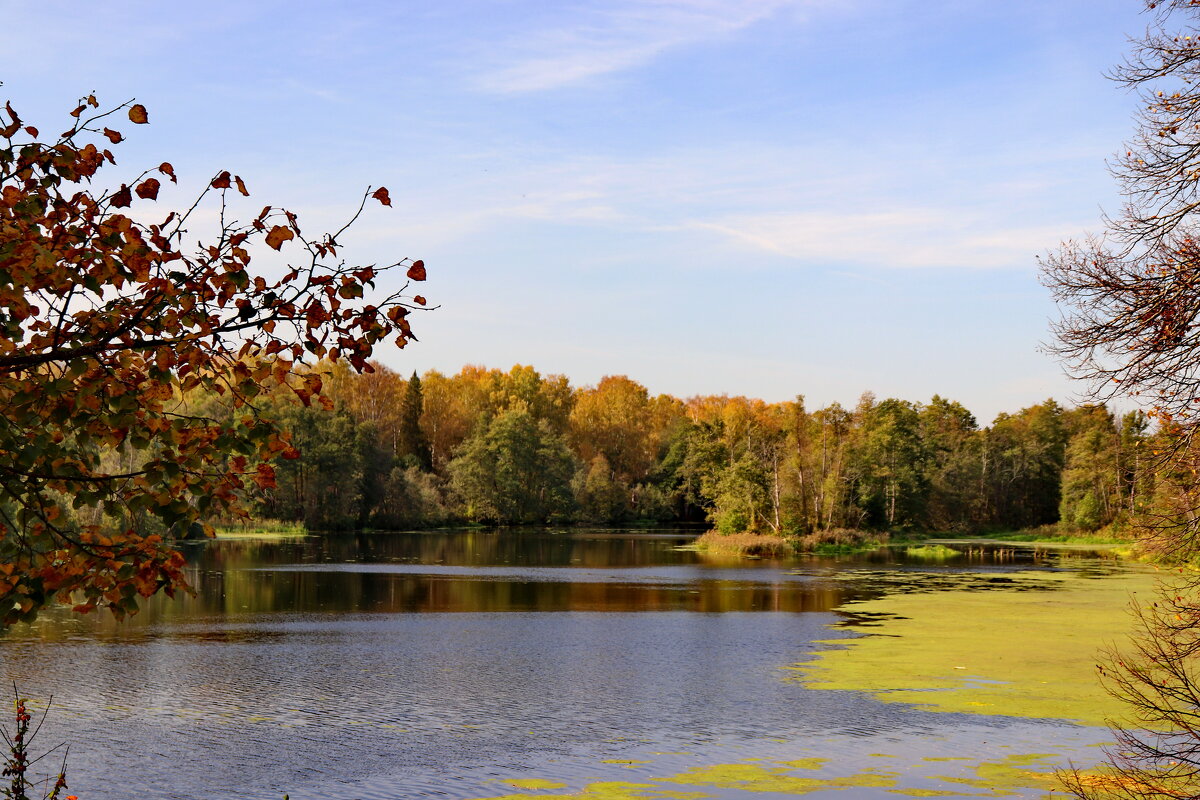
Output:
(221, 181)
(122, 198)
(265, 476)
(166, 169)
(78, 110)
(241, 186)
(419, 300)
(137, 114)
(32, 131)
(148, 189)
(113, 136)
(381, 194)
(278, 235)
(417, 270)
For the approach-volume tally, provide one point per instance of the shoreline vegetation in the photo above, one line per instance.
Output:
(933, 545)
(769, 545)
(258, 529)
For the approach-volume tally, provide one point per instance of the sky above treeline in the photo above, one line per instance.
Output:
(766, 198)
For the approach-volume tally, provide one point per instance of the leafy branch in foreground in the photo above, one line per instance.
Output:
(109, 327)
(1130, 299)
(19, 759)
(1131, 327)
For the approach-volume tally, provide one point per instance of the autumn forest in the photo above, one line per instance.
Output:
(514, 447)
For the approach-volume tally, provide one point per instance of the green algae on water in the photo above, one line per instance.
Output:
(1024, 649)
(751, 778)
(804, 763)
(610, 790)
(1009, 774)
(1005, 777)
(533, 783)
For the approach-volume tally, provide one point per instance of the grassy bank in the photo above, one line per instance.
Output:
(258, 528)
(1055, 534)
(929, 544)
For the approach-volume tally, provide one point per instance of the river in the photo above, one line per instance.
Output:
(470, 664)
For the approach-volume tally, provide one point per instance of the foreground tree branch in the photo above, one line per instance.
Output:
(1157, 753)
(110, 329)
(1130, 305)
(1130, 299)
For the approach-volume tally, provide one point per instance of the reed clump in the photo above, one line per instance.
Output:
(761, 545)
(841, 540)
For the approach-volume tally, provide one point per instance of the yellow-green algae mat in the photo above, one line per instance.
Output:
(988, 779)
(1029, 650)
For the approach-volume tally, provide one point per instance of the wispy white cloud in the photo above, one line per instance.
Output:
(925, 237)
(615, 37)
(770, 201)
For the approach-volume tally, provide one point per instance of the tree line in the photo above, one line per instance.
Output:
(518, 447)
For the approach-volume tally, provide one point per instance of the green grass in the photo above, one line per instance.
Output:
(258, 529)
(1038, 535)
(934, 552)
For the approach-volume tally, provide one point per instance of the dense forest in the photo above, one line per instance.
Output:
(518, 447)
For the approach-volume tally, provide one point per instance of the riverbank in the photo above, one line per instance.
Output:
(844, 541)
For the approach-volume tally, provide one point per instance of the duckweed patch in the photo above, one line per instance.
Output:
(751, 778)
(1000, 778)
(804, 763)
(742, 776)
(1015, 774)
(534, 783)
(1025, 647)
(610, 790)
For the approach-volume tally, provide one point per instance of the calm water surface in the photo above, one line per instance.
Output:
(440, 664)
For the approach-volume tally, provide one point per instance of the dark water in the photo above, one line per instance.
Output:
(427, 664)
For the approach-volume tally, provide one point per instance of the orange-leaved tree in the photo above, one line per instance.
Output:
(110, 328)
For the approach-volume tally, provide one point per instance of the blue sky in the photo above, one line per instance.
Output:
(767, 198)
